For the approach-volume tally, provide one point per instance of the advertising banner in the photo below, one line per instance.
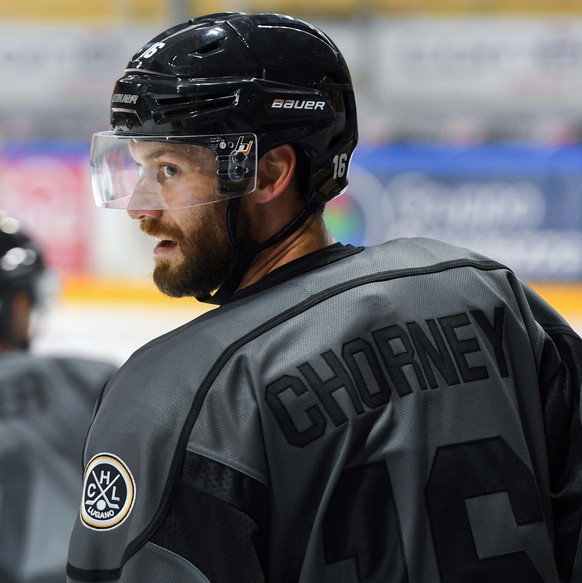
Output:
(521, 205)
(47, 186)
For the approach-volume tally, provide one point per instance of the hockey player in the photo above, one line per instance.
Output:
(45, 411)
(405, 413)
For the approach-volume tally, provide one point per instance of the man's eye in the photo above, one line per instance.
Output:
(169, 171)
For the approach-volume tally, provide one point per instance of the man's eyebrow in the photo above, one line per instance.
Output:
(164, 150)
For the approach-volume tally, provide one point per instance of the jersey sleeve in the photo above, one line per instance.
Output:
(560, 380)
(218, 521)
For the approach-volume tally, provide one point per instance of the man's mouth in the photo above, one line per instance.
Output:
(166, 241)
(165, 246)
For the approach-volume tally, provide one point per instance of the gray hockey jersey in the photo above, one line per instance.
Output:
(406, 413)
(46, 405)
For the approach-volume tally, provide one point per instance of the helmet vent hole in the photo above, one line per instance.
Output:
(209, 48)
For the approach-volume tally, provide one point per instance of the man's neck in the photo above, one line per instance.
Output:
(311, 236)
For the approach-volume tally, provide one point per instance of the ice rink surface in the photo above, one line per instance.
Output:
(107, 331)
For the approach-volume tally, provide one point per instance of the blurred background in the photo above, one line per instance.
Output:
(470, 115)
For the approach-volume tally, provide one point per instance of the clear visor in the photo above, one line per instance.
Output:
(156, 173)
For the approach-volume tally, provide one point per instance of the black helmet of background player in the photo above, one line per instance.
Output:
(21, 269)
(265, 76)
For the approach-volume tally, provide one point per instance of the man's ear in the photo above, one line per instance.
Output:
(275, 173)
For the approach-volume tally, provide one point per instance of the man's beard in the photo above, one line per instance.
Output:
(207, 254)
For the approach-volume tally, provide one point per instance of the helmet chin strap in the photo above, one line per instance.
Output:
(246, 251)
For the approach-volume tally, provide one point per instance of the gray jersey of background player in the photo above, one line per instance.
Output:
(408, 412)
(46, 404)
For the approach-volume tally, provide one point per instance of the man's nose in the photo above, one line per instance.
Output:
(144, 213)
(145, 204)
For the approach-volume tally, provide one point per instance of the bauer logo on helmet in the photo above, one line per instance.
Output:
(297, 104)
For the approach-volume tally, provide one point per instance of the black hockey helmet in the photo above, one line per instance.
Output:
(21, 260)
(231, 73)
(239, 85)
(22, 267)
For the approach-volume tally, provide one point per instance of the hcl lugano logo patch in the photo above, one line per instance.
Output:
(108, 492)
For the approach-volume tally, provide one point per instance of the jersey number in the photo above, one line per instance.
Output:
(355, 527)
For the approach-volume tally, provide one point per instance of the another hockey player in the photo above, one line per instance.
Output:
(405, 413)
(45, 410)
